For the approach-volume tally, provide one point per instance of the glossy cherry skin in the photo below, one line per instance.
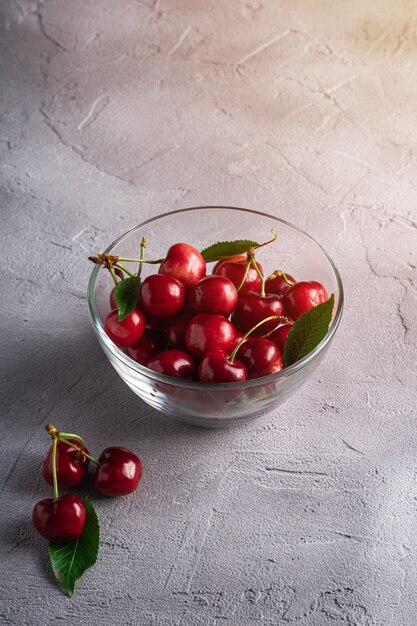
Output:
(278, 285)
(112, 300)
(162, 296)
(253, 308)
(230, 259)
(155, 324)
(279, 336)
(303, 297)
(150, 344)
(175, 363)
(119, 472)
(213, 294)
(260, 356)
(128, 331)
(207, 332)
(235, 271)
(60, 521)
(175, 331)
(238, 339)
(184, 263)
(71, 466)
(215, 368)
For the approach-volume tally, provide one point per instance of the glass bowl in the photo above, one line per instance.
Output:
(222, 404)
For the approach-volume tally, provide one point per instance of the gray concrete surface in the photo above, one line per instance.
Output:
(118, 110)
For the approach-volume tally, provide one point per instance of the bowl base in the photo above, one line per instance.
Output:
(219, 422)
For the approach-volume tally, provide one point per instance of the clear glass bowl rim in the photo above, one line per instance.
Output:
(256, 382)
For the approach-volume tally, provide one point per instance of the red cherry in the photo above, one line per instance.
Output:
(279, 336)
(235, 271)
(278, 285)
(71, 466)
(128, 331)
(230, 259)
(150, 344)
(260, 356)
(175, 331)
(184, 263)
(155, 324)
(207, 332)
(175, 363)
(113, 303)
(60, 521)
(215, 368)
(213, 294)
(162, 296)
(118, 473)
(253, 308)
(304, 296)
(238, 339)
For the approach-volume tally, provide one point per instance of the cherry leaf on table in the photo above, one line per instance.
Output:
(71, 559)
(126, 294)
(307, 332)
(224, 249)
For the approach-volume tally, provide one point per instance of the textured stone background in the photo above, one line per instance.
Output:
(113, 111)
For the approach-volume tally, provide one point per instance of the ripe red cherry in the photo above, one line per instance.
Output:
(118, 473)
(60, 521)
(260, 356)
(112, 299)
(279, 336)
(128, 331)
(215, 368)
(162, 296)
(207, 332)
(175, 363)
(184, 263)
(230, 259)
(150, 344)
(253, 308)
(175, 331)
(304, 296)
(155, 324)
(278, 285)
(71, 466)
(238, 339)
(235, 271)
(213, 294)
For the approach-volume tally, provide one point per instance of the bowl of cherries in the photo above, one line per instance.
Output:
(214, 315)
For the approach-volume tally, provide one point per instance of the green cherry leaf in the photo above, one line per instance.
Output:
(126, 294)
(224, 249)
(71, 559)
(307, 332)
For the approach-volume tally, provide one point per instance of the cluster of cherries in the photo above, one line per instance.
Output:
(61, 519)
(195, 326)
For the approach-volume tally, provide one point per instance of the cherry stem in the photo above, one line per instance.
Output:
(142, 254)
(113, 275)
(285, 321)
(267, 319)
(261, 276)
(275, 235)
(245, 275)
(64, 440)
(57, 435)
(122, 267)
(284, 276)
(71, 436)
(54, 477)
(141, 260)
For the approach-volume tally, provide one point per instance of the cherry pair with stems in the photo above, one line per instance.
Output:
(62, 518)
